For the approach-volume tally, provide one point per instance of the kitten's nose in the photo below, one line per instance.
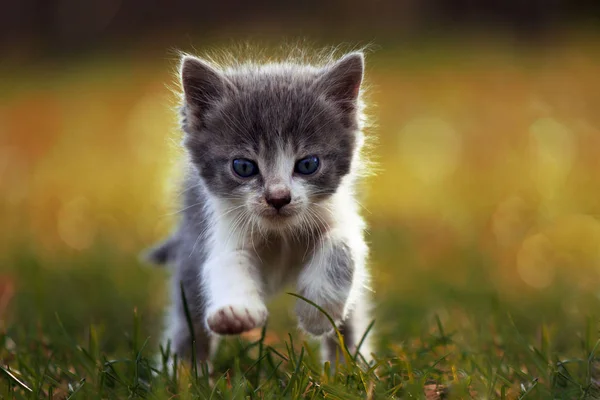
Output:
(278, 197)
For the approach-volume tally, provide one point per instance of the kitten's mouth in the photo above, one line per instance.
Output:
(278, 215)
(273, 216)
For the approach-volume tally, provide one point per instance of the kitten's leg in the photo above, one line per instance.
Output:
(327, 280)
(177, 332)
(335, 279)
(233, 289)
(353, 329)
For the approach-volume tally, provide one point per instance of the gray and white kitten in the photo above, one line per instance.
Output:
(274, 157)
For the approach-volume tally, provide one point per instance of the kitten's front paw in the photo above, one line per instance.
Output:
(314, 321)
(235, 319)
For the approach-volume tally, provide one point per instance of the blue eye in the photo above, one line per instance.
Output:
(307, 165)
(245, 168)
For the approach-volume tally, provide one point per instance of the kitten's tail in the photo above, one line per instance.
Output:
(163, 253)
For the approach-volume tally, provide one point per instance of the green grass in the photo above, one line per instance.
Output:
(88, 330)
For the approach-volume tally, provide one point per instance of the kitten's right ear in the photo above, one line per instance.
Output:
(202, 83)
(341, 84)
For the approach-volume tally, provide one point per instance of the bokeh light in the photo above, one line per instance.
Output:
(431, 148)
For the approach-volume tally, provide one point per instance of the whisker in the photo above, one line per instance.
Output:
(183, 209)
(188, 189)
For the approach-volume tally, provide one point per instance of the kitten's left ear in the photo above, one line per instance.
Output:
(341, 81)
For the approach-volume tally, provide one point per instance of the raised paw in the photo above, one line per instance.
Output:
(235, 319)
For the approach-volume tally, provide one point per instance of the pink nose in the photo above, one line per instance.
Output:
(279, 202)
(278, 197)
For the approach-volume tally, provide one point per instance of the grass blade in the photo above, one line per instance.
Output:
(16, 380)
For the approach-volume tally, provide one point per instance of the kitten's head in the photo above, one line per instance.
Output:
(273, 140)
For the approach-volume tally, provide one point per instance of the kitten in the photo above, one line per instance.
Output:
(274, 157)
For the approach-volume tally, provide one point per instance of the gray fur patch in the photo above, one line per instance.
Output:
(163, 253)
(340, 269)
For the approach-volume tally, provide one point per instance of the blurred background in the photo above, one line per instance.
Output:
(488, 142)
